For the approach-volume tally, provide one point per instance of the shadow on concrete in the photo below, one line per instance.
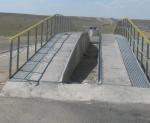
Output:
(84, 70)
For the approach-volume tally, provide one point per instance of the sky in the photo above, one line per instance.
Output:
(95, 8)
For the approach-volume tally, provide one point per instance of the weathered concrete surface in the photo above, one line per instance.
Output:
(58, 57)
(63, 64)
(114, 71)
(34, 68)
(14, 110)
(87, 92)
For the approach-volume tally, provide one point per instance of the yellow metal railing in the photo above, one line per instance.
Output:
(25, 44)
(30, 28)
(138, 42)
(138, 30)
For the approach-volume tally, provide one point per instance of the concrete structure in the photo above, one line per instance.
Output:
(54, 63)
(65, 61)
(116, 83)
(114, 71)
(115, 101)
(56, 60)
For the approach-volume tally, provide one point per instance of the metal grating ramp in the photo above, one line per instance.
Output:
(135, 72)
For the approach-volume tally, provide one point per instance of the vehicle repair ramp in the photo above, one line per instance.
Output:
(120, 66)
(54, 61)
(114, 71)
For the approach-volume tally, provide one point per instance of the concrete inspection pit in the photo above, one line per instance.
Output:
(87, 69)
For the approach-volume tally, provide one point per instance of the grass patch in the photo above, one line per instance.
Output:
(11, 24)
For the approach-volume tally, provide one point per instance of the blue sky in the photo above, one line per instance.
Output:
(99, 8)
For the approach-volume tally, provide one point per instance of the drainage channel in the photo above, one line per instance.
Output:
(87, 69)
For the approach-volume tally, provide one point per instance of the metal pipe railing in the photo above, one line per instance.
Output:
(25, 44)
(138, 42)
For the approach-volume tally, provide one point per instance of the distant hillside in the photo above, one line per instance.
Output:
(10, 23)
(144, 25)
(107, 25)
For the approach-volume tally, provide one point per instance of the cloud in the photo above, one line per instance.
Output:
(101, 8)
(120, 8)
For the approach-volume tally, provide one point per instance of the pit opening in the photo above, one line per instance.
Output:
(88, 68)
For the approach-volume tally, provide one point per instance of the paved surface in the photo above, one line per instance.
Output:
(14, 110)
(104, 93)
(114, 71)
(135, 72)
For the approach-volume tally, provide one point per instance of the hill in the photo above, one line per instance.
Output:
(144, 25)
(10, 24)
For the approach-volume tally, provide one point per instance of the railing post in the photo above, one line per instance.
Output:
(56, 24)
(18, 49)
(138, 36)
(63, 24)
(41, 34)
(142, 49)
(121, 28)
(130, 34)
(134, 40)
(125, 28)
(52, 25)
(36, 31)
(47, 30)
(10, 60)
(69, 24)
(147, 57)
(60, 27)
(28, 40)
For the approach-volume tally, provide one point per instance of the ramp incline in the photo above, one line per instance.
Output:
(135, 72)
(114, 71)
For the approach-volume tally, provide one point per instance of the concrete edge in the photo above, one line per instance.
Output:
(72, 60)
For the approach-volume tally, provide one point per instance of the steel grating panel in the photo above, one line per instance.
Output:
(135, 72)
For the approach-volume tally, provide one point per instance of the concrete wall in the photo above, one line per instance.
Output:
(76, 55)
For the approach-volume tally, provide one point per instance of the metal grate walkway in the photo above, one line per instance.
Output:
(33, 70)
(135, 72)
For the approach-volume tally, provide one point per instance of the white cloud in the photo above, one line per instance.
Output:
(120, 8)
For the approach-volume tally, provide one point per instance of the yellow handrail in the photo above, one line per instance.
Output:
(30, 28)
(138, 30)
